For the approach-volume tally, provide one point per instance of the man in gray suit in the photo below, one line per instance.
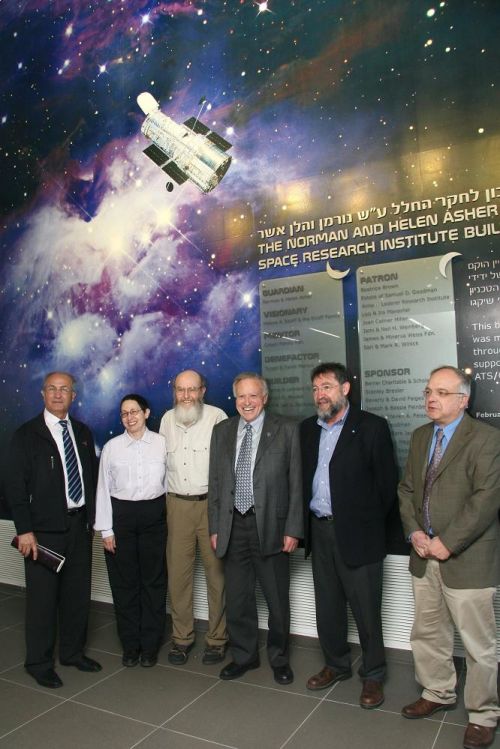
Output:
(255, 521)
(449, 501)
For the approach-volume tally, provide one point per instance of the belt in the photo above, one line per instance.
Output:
(190, 497)
(250, 511)
(323, 517)
(75, 510)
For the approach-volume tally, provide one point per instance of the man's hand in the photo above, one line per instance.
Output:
(421, 542)
(213, 541)
(109, 544)
(437, 550)
(289, 544)
(26, 544)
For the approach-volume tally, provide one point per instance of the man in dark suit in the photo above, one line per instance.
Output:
(51, 491)
(255, 521)
(449, 500)
(350, 480)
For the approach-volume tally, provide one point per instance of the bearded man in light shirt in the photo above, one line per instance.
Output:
(187, 429)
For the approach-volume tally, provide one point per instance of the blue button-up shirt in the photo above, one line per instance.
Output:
(321, 502)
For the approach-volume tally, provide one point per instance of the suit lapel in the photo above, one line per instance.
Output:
(232, 441)
(348, 432)
(269, 428)
(457, 443)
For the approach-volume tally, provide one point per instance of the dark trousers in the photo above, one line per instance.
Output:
(137, 573)
(59, 598)
(335, 585)
(244, 564)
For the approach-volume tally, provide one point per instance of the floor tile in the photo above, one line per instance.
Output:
(20, 704)
(150, 694)
(12, 611)
(348, 726)
(451, 737)
(12, 648)
(163, 737)
(244, 715)
(72, 725)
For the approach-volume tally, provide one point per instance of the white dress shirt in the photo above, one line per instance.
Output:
(56, 431)
(132, 470)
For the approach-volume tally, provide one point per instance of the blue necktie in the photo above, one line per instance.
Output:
(74, 480)
(243, 498)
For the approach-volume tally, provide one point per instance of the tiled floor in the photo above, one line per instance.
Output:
(188, 707)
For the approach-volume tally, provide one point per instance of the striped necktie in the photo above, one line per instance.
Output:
(72, 470)
(243, 498)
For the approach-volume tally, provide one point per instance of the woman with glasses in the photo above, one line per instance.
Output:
(130, 513)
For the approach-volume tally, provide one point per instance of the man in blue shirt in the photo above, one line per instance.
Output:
(449, 500)
(350, 481)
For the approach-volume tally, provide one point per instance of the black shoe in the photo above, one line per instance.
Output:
(47, 678)
(130, 659)
(148, 660)
(84, 664)
(178, 654)
(283, 674)
(235, 670)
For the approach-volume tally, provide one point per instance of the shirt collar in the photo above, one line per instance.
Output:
(52, 420)
(146, 437)
(449, 429)
(256, 424)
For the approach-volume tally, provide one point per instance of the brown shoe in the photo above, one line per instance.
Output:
(326, 678)
(422, 708)
(477, 736)
(372, 694)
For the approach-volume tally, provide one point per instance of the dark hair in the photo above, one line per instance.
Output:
(341, 372)
(139, 399)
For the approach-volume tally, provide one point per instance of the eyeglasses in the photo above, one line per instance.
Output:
(133, 412)
(189, 391)
(440, 393)
(64, 389)
(325, 388)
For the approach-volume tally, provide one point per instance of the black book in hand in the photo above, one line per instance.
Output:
(50, 559)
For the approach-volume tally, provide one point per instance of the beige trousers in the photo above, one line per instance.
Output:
(187, 523)
(437, 609)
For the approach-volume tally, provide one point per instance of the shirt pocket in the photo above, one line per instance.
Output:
(201, 455)
(121, 476)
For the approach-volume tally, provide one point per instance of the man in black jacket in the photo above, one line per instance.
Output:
(350, 480)
(51, 491)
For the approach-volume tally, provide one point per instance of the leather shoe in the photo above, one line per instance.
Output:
(326, 678)
(422, 708)
(148, 660)
(477, 736)
(372, 694)
(47, 678)
(130, 659)
(283, 674)
(235, 670)
(84, 664)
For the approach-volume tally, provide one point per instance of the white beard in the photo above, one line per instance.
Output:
(188, 415)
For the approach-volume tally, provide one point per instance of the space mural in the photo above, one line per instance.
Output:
(362, 133)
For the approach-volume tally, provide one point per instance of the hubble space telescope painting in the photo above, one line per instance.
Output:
(263, 117)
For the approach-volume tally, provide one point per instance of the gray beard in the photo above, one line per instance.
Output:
(188, 415)
(333, 410)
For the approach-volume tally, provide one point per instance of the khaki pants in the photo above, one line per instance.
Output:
(437, 609)
(187, 523)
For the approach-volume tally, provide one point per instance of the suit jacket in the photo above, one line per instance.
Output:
(464, 502)
(363, 482)
(277, 483)
(35, 486)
